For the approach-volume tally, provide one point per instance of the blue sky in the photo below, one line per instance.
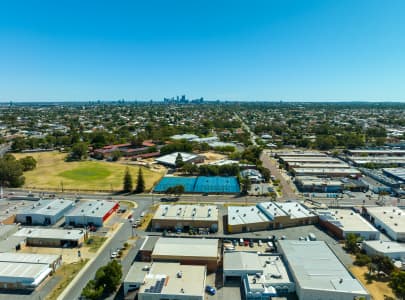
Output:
(231, 50)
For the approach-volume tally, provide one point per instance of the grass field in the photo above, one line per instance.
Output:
(52, 172)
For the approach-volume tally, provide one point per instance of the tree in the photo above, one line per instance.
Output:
(179, 160)
(140, 184)
(398, 284)
(79, 151)
(28, 163)
(116, 155)
(127, 181)
(107, 279)
(245, 184)
(11, 172)
(351, 243)
(109, 276)
(92, 292)
(383, 264)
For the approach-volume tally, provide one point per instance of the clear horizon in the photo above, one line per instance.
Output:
(261, 50)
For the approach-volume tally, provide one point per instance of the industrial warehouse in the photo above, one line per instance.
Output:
(166, 281)
(52, 237)
(318, 273)
(393, 250)
(44, 212)
(190, 251)
(26, 271)
(91, 213)
(316, 164)
(341, 222)
(268, 215)
(390, 220)
(186, 217)
(261, 275)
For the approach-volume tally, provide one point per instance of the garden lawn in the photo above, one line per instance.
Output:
(52, 172)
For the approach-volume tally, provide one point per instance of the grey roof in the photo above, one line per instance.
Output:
(7, 230)
(183, 247)
(137, 272)
(243, 261)
(30, 258)
(92, 208)
(314, 266)
(47, 207)
(29, 274)
(51, 233)
(149, 243)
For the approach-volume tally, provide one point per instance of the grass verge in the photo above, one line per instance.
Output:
(67, 272)
(94, 243)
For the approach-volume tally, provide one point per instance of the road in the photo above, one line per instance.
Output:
(102, 258)
(286, 189)
(150, 198)
(246, 127)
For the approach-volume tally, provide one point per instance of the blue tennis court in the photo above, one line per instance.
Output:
(201, 184)
(167, 182)
(216, 184)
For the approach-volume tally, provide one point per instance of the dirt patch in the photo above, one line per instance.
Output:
(378, 290)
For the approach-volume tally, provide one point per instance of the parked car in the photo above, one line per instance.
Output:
(246, 243)
(251, 244)
(260, 243)
(234, 243)
(241, 242)
(114, 254)
(210, 290)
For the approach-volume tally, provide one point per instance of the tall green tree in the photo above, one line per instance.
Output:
(11, 172)
(398, 284)
(351, 243)
(179, 160)
(28, 163)
(127, 181)
(140, 184)
(79, 151)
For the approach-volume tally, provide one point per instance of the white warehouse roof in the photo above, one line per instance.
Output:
(170, 159)
(245, 215)
(184, 247)
(316, 268)
(92, 208)
(47, 207)
(51, 233)
(392, 217)
(347, 220)
(186, 212)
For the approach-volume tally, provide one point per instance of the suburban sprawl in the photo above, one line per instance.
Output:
(194, 199)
